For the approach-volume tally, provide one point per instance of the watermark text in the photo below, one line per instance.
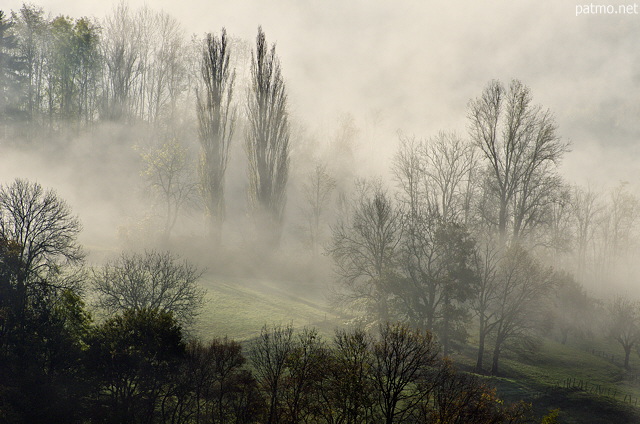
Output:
(607, 9)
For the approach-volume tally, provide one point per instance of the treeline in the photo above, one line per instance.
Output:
(137, 366)
(63, 72)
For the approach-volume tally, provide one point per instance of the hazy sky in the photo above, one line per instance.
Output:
(417, 63)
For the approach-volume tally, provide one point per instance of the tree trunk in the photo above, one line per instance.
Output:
(496, 357)
(480, 347)
(627, 352)
(565, 335)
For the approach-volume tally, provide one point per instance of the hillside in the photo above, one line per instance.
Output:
(584, 379)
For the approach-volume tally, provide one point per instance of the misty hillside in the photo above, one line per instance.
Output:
(312, 213)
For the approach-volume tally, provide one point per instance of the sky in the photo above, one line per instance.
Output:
(416, 64)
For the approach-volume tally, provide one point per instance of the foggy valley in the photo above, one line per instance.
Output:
(335, 212)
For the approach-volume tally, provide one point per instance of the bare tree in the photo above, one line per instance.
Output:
(305, 366)
(348, 391)
(168, 172)
(41, 225)
(449, 169)
(216, 124)
(317, 189)
(121, 53)
(365, 251)
(269, 356)
(437, 176)
(152, 280)
(401, 372)
(624, 324)
(267, 140)
(521, 290)
(486, 261)
(519, 144)
(585, 210)
(164, 72)
(32, 31)
(617, 230)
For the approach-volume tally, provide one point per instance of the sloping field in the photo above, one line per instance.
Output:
(238, 308)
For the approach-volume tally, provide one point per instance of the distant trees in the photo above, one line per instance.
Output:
(154, 281)
(216, 125)
(31, 32)
(574, 310)
(624, 324)
(72, 71)
(144, 73)
(11, 66)
(317, 188)
(168, 172)
(267, 140)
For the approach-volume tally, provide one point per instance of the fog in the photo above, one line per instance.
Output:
(406, 66)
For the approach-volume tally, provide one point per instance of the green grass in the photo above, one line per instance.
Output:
(540, 378)
(238, 308)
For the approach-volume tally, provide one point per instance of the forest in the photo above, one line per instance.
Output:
(188, 163)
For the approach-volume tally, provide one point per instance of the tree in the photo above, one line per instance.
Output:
(41, 226)
(305, 371)
(121, 53)
(486, 261)
(617, 230)
(168, 172)
(519, 144)
(32, 34)
(438, 278)
(164, 72)
(153, 280)
(522, 287)
(267, 140)
(317, 189)
(11, 67)
(216, 124)
(402, 363)
(462, 398)
(437, 175)
(43, 332)
(574, 310)
(364, 248)
(89, 65)
(132, 357)
(223, 391)
(586, 210)
(269, 356)
(436, 182)
(624, 324)
(347, 390)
